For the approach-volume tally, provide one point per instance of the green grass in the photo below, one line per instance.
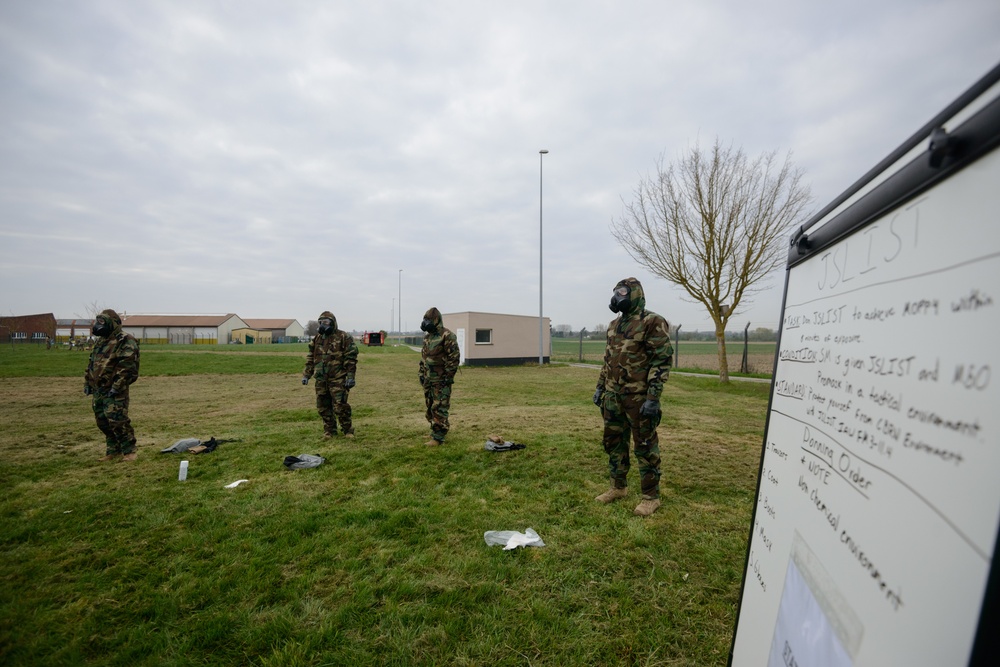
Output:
(376, 557)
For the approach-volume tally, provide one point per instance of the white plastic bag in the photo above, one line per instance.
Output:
(511, 539)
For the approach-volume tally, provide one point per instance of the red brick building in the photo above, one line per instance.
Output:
(28, 328)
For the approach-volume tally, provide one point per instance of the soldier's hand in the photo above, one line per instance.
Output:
(423, 380)
(650, 408)
(87, 391)
(305, 380)
(349, 382)
(598, 395)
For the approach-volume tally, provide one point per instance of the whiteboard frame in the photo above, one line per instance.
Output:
(965, 131)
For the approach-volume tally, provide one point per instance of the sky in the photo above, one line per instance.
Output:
(278, 159)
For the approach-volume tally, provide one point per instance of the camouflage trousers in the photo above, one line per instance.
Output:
(332, 405)
(111, 414)
(622, 420)
(437, 397)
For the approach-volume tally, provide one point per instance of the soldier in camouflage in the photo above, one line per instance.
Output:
(637, 362)
(114, 365)
(333, 358)
(439, 361)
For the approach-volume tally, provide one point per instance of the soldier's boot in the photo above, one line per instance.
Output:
(329, 430)
(108, 457)
(646, 507)
(350, 436)
(611, 495)
(433, 442)
(131, 456)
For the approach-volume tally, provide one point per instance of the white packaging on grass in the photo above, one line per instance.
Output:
(511, 539)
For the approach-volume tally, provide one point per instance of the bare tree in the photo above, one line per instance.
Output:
(714, 223)
(93, 309)
(312, 328)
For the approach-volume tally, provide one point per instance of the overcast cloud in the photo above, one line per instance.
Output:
(277, 159)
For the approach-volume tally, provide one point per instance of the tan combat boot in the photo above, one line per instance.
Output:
(130, 457)
(108, 457)
(646, 507)
(349, 436)
(432, 442)
(611, 495)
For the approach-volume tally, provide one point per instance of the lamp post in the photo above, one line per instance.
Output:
(399, 289)
(541, 321)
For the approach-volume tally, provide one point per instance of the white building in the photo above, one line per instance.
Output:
(183, 329)
(492, 339)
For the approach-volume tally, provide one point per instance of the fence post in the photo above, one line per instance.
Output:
(677, 347)
(581, 343)
(744, 367)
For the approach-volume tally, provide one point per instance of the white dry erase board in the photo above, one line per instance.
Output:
(878, 500)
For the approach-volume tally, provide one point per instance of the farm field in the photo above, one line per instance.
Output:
(689, 355)
(377, 556)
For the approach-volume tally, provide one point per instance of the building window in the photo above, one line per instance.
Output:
(18, 335)
(484, 336)
(38, 336)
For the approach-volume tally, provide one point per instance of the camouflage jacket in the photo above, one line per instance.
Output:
(638, 355)
(332, 357)
(114, 363)
(440, 356)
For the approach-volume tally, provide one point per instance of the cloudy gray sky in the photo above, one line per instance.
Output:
(276, 159)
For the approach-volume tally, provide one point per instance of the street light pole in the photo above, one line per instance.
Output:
(399, 289)
(541, 321)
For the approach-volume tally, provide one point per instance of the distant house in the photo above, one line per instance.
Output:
(72, 329)
(249, 336)
(492, 339)
(183, 329)
(28, 328)
(282, 331)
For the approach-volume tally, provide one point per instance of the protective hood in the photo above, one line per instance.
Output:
(433, 316)
(113, 319)
(326, 314)
(636, 297)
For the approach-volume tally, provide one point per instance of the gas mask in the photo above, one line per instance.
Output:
(426, 325)
(102, 327)
(325, 325)
(620, 302)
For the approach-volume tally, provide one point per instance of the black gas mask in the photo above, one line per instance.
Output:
(427, 325)
(325, 325)
(620, 302)
(102, 327)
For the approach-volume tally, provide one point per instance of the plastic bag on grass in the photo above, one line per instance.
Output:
(181, 445)
(511, 539)
(303, 461)
(495, 443)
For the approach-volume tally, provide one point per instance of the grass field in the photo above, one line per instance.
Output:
(376, 557)
(694, 356)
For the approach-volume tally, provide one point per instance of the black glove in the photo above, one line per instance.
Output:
(87, 391)
(305, 380)
(349, 382)
(597, 396)
(423, 380)
(650, 408)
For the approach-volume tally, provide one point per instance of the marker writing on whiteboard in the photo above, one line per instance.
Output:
(877, 245)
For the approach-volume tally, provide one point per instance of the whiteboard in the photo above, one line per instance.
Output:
(878, 501)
